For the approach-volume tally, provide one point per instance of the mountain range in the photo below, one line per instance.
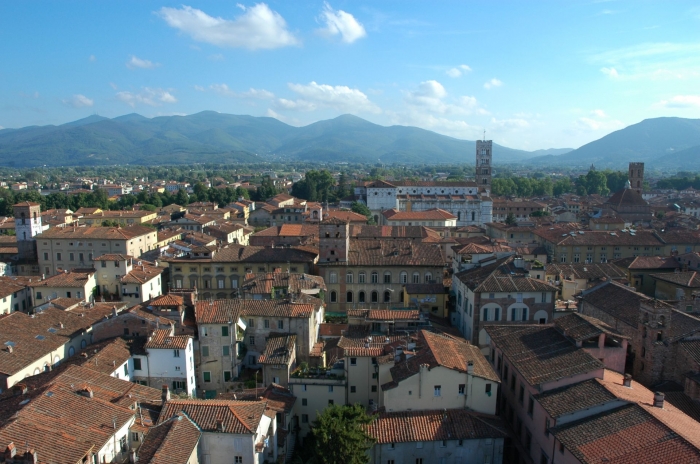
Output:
(222, 138)
(672, 143)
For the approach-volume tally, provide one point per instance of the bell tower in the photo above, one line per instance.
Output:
(636, 176)
(27, 226)
(334, 241)
(484, 156)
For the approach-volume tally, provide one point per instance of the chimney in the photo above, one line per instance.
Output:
(219, 425)
(627, 382)
(30, 457)
(165, 393)
(470, 367)
(9, 348)
(10, 451)
(19, 389)
(132, 456)
(659, 400)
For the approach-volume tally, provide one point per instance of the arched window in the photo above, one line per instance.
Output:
(428, 277)
(473, 215)
(23, 218)
(333, 278)
(361, 277)
(497, 314)
(334, 297)
(387, 277)
(387, 296)
(459, 215)
(71, 351)
(348, 277)
(375, 297)
(403, 277)
(524, 314)
(348, 297)
(83, 344)
(416, 277)
(375, 277)
(485, 315)
(361, 297)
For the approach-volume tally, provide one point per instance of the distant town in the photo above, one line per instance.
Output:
(237, 315)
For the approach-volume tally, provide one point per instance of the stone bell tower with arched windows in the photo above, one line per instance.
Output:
(484, 156)
(636, 176)
(27, 226)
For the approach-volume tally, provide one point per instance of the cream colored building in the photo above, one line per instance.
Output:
(444, 373)
(123, 218)
(314, 394)
(76, 247)
(74, 284)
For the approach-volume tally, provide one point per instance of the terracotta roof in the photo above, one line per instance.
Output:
(97, 233)
(167, 300)
(385, 314)
(581, 327)
(238, 417)
(278, 349)
(575, 397)
(104, 356)
(163, 339)
(255, 254)
(141, 274)
(435, 425)
(392, 253)
(653, 262)
(689, 279)
(113, 257)
(357, 343)
(221, 311)
(170, 442)
(331, 330)
(625, 435)
(295, 283)
(541, 353)
(445, 351)
(588, 271)
(619, 301)
(72, 279)
(627, 197)
(366, 232)
(565, 237)
(692, 347)
(427, 215)
(346, 216)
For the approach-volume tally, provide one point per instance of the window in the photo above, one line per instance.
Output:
(437, 390)
(361, 277)
(176, 353)
(419, 460)
(521, 394)
(460, 389)
(304, 418)
(512, 381)
(374, 388)
(238, 460)
(224, 331)
(403, 277)
(251, 340)
(205, 351)
(251, 322)
(227, 376)
(134, 436)
(334, 296)
(58, 256)
(416, 278)
(443, 444)
(387, 277)
(304, 402)
(487, 389)
(137, 364)
(375, 297)
(207, 376)
(544, 459)
(353, 361)
(428, 277)
(226, 350)
(348, 297)
(387, 296)
(348, 278)
(266, 323)
(546, 427)
(330, 388)
(486, 314)
(528, 440)
(333, 278)
(361, 298)
(353, 389)
(331, 402)
(530, 405)
(375, 277)
(280, 324)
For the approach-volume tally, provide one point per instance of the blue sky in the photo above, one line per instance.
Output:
(532, 74)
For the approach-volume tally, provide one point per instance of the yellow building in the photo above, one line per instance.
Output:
(428, 298)
(123, 218)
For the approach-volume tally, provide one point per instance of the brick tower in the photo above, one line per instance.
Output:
(636, 176)
(484, 155)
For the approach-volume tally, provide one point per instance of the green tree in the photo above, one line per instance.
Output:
(339, 435)
(510, 219)
(361, 208)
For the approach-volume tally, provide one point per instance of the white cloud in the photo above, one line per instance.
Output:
(92, 58)
(339, 97)
(199, 88)
(341, 22)
(257, 28)
(458, 71)
(610, 72)
(136, 62)
(592, 124)
(148, 96)
(509, 124)
(223, 89)
(294, 105)
(431, 96)
(492, 83)
(113, 85)
(599, 113)
(682, 101)
(78, 101)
